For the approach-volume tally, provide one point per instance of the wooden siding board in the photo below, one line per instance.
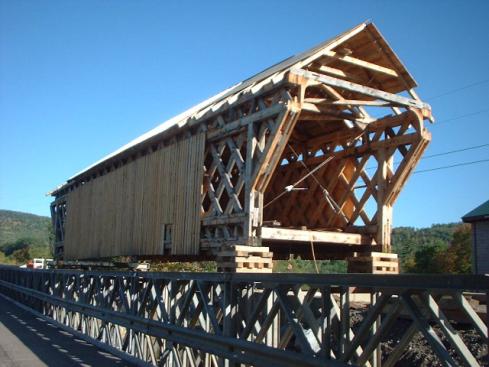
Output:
(122, 213)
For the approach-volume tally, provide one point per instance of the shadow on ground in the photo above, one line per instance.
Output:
(27, 340)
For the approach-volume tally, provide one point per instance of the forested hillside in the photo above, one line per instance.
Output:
(440, 248)
(23, 236)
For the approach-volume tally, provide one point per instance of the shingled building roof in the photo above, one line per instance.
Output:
(479, 213)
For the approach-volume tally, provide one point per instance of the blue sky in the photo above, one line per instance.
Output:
(79, 79)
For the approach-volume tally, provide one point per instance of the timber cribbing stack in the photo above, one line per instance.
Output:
(240, 259)
(374, 263)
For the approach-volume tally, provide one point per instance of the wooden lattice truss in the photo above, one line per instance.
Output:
(318, 156)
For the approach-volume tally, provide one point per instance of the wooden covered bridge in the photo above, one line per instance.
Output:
(314, 149)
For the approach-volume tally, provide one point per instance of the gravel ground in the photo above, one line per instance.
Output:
(419, 352)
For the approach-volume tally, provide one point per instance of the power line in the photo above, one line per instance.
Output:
(438, 168)
(458, 89)
(451, 166)
(443, 153)
(461, 116)
(455, 151)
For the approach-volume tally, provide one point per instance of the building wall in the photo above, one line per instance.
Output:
(481, 246)
(124, 211)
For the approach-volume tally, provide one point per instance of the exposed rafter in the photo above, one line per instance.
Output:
(364, 64)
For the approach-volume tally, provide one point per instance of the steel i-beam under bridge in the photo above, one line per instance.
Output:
(212, 319)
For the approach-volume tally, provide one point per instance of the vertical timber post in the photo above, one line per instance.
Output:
(384, 211)
(254, 199)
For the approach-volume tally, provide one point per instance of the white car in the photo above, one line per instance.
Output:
(41, 263)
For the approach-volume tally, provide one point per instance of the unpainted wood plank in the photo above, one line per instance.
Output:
(361, 63)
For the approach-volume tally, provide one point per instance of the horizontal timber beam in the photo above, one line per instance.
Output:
(361, 63)
(311, 107)
(224, 219)
(338, 73)
(348, 102)
(353, 102)
(358, 88)
(356, 151)
(244, 121)
(287, 234)
(340, 136)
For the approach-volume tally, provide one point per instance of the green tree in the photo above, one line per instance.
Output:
(438, 257)
(51, 238)
(21, 255)
(457, 258)
(4, 259)
(406, 241)
(426, 259)
(9, 248)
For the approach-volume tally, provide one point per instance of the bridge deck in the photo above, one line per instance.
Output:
(27, 340)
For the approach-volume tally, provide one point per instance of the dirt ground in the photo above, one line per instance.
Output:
(419, 352)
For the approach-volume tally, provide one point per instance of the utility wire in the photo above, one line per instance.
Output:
(293, 186)
(425, 157)
(461, 116)
(444, 153)
(451, 166)
(327, 196)
(455, 151)
(452, 91)
(436, 169)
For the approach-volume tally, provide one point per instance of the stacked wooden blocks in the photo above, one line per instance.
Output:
(374, 263)
(244, 259)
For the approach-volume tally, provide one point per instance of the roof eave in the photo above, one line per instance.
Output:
(477, 218)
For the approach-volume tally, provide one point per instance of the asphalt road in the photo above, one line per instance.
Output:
(26, 340)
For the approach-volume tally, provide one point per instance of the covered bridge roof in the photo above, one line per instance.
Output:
(363, 43)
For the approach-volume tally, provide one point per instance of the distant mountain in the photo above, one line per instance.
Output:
(35, 229)
(17, 225)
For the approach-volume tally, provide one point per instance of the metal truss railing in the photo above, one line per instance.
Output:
(211, 319)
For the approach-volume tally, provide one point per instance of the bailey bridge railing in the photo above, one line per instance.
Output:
(213, 319)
